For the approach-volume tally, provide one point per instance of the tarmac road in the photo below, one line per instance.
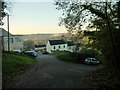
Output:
(51, 72)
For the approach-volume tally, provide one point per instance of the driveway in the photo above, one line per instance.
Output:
(51, 72)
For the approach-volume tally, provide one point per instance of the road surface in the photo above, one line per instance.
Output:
(51, 72)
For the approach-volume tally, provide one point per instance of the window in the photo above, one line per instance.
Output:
(64, 46)
(54, 47)
(59, 47)
(11, 40)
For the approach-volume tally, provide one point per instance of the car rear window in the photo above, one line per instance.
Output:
(34, 52)
(94, 60)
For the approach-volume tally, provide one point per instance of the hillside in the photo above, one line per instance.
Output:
(35, 36)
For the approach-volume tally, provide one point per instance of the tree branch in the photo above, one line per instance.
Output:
(97, 12)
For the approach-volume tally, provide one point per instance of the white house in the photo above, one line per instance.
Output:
(54, 45)
(61, 45)
(16, 42)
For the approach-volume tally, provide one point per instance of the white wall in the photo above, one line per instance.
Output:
(48, 47)
(1, 32)
(70, 48)
(15, 43)
(60, 47)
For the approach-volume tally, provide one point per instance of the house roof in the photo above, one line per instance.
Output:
(38, 46)
(69, 43)
(57, 42)
(3, 32)
(78, 44)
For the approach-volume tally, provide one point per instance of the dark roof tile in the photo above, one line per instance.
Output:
(38, 46)
(56, 42)
(69, 43)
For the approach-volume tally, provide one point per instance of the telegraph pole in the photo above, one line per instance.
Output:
(8, 32)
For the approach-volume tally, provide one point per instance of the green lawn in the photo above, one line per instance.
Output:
(65, 56)
(13, 62)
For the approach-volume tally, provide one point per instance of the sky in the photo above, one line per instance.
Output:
(34, 17)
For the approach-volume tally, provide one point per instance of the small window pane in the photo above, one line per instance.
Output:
(11, 40)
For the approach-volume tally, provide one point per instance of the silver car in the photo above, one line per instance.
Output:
(91, 61)
(18, 51)
(31, 53)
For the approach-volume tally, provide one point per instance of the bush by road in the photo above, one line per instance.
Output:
(65, 56)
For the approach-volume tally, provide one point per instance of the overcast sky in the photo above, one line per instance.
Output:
(34, 17)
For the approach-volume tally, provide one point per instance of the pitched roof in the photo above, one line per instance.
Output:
(3, 32)
(38, 46)
(57, 42)
(69, 43)
(78, 44)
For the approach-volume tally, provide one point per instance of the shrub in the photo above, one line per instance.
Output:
(85, 53)
(104, 78)
(65, 56)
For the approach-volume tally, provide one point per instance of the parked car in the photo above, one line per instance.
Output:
(44, 52)
(18, 51)
(93, 61)
(31, 53)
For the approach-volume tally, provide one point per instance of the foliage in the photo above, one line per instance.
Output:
(14, 62)
(85, 53)
(65, 56)
(79, 57)
(2, 12)
(104, 18)
(28, 45)
(104, 78)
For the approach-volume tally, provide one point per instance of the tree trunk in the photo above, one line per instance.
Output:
(114, 60)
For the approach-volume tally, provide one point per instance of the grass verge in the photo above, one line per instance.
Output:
(65, 56)
(14, 62)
